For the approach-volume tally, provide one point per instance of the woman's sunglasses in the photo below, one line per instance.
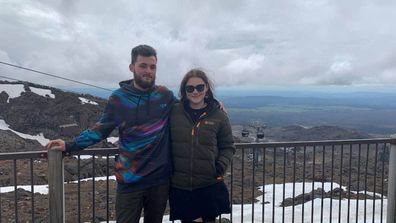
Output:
(199, 88)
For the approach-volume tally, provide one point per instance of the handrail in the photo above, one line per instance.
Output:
(312, 143)
(114, 150)
(23, 155)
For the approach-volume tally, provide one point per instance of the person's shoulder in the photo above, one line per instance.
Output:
(164, 93)
(222, 114)
(219, 113)
(215, 107)
(163, 89)
(116, 93)
(177, 107)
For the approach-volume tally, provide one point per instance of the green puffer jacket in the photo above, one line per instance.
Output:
(201, 151)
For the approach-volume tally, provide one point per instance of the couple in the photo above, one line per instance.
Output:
(160, 138)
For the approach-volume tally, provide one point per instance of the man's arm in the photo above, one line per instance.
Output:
(93, 135)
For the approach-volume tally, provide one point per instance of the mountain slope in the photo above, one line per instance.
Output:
(34, 109)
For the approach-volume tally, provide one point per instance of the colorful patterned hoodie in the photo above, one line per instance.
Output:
(142, 119)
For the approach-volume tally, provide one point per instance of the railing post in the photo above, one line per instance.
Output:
(391, 210)
(56, 187)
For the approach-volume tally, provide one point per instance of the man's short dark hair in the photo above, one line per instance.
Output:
(142, 50)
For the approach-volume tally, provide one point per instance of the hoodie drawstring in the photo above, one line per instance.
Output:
(148, 105)
(137, 110)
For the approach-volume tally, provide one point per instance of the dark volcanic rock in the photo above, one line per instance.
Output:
(337, 193)
(10, 142)
(3, 97)
(32, 114)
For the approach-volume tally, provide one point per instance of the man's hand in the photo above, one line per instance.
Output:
(222, 107)
(57, 144)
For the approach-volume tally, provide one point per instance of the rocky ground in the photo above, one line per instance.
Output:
(32, 114)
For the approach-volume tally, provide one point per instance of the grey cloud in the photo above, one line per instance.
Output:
(316, 42)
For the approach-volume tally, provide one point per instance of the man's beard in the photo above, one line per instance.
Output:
(143, 83)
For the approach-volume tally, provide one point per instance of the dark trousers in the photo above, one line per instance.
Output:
(153, 200)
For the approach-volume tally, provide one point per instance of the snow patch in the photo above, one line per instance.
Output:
(85, 157)
(13, 90)
(42, 92)
(86, 101)
(112, 140)
(41, 189)
(287, 212)
(39, 138)
(96, 179)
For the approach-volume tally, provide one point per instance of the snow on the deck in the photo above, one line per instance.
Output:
(87, 101)
(39, 138)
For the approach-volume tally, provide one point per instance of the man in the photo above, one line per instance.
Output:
(140, 109)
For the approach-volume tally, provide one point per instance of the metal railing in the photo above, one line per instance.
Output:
(324, 181)
(12, 160)
(318, 181)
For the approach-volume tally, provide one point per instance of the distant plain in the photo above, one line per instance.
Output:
(368, 110)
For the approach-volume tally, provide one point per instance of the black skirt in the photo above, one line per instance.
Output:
(207, 202)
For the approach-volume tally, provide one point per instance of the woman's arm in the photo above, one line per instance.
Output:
(225, 145)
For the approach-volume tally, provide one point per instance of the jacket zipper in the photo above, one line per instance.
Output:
(194, 134)
(191, 156)
(191, 148)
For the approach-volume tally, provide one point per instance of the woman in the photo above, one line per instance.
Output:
(202, 149)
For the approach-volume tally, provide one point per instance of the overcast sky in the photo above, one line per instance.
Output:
(238, 42)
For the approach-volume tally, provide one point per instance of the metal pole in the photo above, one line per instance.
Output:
(56, 187)
(391, 210)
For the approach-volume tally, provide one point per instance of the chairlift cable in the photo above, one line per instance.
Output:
(55, 76)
